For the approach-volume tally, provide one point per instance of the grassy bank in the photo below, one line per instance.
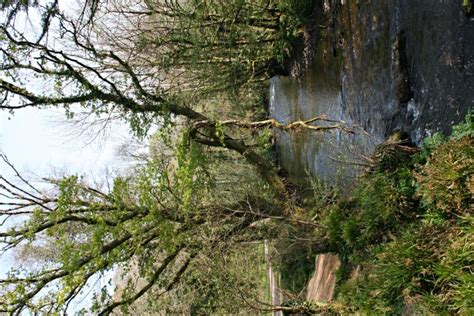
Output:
(407, 229)
(405, 233)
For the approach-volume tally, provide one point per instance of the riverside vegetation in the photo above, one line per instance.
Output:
(404, 232)
(407, 228)
(185, 227)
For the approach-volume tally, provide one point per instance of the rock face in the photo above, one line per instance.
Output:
(384, 65)
(407, 65)
(399, 69)
(322, 284)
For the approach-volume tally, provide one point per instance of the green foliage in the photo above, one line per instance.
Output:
(426, 269)
(445, 182)
(232, 46)
(465, 129)
(372, 212)
(263, 143)
(296, 265)
(459, 131)
(427, 146)
(165, 220)
(301, 10)
(219, 282)
(231, 40)
(303, 307)
(320, 198)
(378, 201)
(295, 14)
(151, 224)
(191, 177)
(425, 266)
(467, 5)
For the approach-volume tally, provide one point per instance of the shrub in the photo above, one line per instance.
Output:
(465, 129)
(398, 225)
(375, 210)
(426, 266)
(446, 181)
(427, 269)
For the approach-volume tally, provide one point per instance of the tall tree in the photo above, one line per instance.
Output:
(80, 67)
(105, 65)
(150, 221)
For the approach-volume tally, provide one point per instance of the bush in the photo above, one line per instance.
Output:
(465, 129)
(374, 212)
(426, 269)
(446, 182)
(295, 260)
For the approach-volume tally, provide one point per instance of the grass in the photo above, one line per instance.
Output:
(408, 226)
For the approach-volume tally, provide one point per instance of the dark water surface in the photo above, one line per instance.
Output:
(383, 65)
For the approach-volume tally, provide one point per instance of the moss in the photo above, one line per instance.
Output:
(467, 6)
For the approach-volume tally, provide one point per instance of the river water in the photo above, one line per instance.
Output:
(383, 65)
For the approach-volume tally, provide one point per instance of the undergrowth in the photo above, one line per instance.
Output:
(409, 231)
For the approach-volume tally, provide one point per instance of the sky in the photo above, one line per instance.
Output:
(40, 146)
(40, 143)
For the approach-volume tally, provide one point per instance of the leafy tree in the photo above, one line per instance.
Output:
(237, 41)
(105, 78)
(142, 219)
(161, 219)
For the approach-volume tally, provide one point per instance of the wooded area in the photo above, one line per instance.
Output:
(184, 230)
(148, 63)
